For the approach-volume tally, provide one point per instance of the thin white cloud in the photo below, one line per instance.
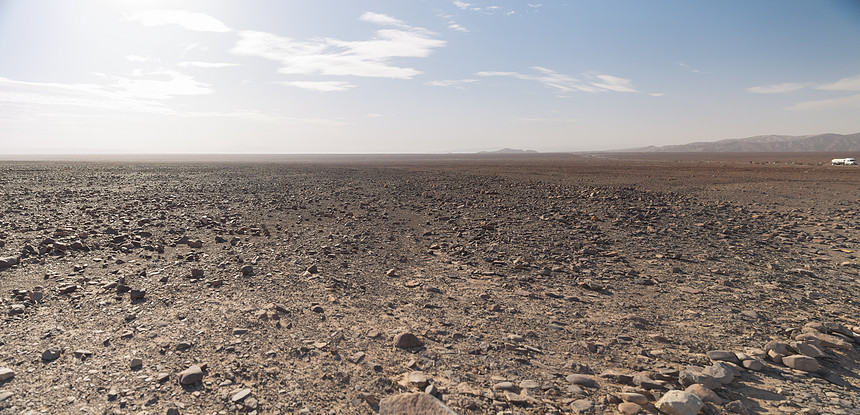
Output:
(196, 64)
(161, 85)
(457, 83)
(189, 20)
(383, 19)
(42, 96)
(335, 57)
(462, 5)
(320, 86)
(777, 88)
(852, 101)
(657, 94)
(492, 9)
(145, 93)
(569, 84)
(137, 58)
(614, 83)
(845, 84)
(689, 68)
(29, 101)
(255, 115)
(457, 27)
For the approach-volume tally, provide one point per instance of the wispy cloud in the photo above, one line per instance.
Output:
(849, 84)
(382, 19)
(777, 88)
(461, 4)
(43, 97)
(196, 64)
(146, 93)
(614, 83)
(335, 57)
(689, 68)
(457, 27)
(569, 84)
(828, 104)
(845, 84)
(189, 20)
(161, 85)
(320, 86)
(491, 9)
(456, 83)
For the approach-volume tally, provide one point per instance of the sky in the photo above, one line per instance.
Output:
(404, 76)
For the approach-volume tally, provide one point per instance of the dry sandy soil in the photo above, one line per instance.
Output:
(532, 284)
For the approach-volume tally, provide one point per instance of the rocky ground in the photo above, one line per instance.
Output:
(531, 284)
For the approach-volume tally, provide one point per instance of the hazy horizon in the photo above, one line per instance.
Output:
(437, 77)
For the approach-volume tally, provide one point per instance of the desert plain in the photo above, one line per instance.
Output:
(471, 284)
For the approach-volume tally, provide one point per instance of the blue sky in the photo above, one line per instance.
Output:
(322, 76)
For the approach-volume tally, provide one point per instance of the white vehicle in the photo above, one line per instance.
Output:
(844, 162)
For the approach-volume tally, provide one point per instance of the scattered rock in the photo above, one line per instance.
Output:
(51, 354)
(191, 375)
(240, 395)
(6, 374)
(629, 408)
(676, 402)
(407, 341)
(413, 403)
(801, 362)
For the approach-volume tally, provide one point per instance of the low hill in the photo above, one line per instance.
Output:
(769, 143)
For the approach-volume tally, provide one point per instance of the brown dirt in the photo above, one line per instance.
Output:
(525, 268)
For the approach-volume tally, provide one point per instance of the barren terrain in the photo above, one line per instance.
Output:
(531, 284)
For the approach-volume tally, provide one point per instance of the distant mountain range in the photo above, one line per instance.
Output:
(767, 143)
(508, 151)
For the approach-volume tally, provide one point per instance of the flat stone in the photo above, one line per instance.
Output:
(801, 362)
(753, 364)
(677, 402)
(808, 349)
(6, 374)
(637, 398)
(505, 386)
(239, 331)
(778, 347)
(529, 384)
(581, 380)
(5, 395)
(687, 378)
(240, 395)
(407, 341)
(357, 357)
(826, 340)
(720, 371)
(413, 403)
(737, 407)
(723, 355)
(51, 354)
(136, 363)
(629, 408)
(705, 394)
(644, 380)
(418, 378)
(582, 406)
(191, 375)
(7, 262)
